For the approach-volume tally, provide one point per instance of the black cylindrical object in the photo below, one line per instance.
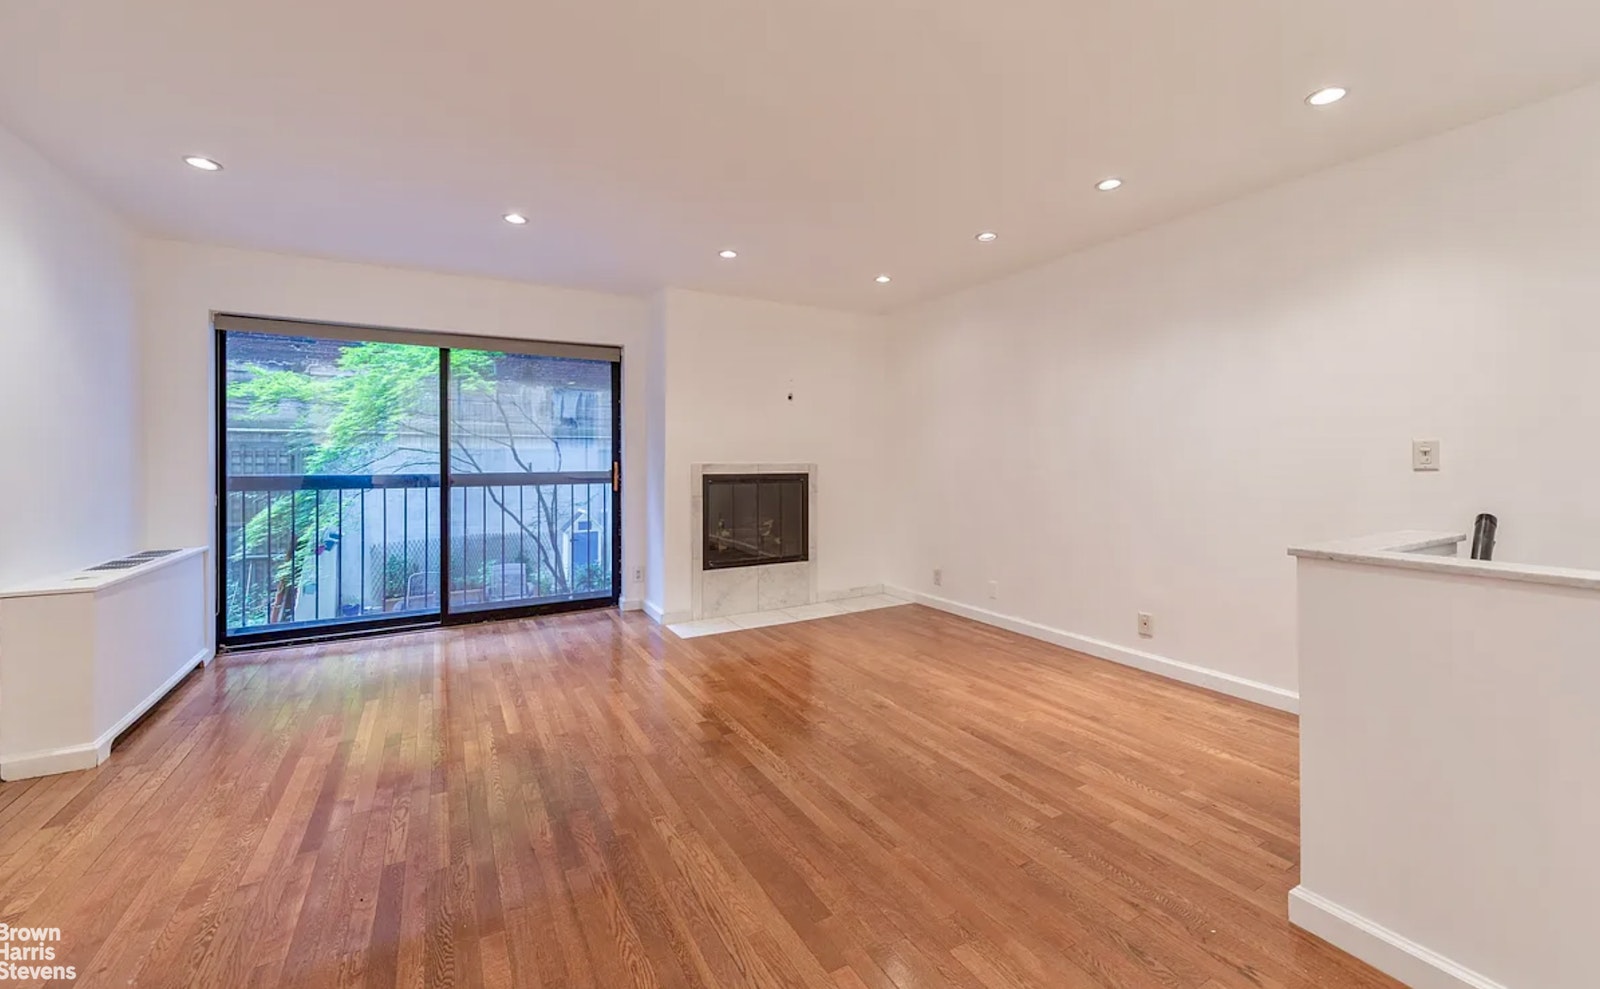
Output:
(1483, 537)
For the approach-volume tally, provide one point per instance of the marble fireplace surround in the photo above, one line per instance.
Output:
(742, 590)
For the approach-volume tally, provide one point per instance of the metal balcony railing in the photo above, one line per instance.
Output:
(320, 548)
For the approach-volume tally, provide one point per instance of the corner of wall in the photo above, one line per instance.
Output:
(655, 413)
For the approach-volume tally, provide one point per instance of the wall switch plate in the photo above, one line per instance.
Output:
(1424, 454)
(938, 577)
(994, 588)
(1147, 625)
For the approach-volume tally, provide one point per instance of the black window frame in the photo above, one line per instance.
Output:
(288, 633)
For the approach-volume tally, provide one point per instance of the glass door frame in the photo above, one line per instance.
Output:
(509, 612)
(445, 616)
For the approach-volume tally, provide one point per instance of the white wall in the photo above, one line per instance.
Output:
(184, 283)
(1147, 425)
(1449, 751)
(68, 386)
(730, 366)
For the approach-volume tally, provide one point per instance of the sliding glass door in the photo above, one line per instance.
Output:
(530, 480)
(330, 500)
(332, 447)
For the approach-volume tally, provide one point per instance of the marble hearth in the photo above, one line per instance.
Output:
(742, 590)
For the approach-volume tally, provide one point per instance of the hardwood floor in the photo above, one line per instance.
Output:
(895, 799)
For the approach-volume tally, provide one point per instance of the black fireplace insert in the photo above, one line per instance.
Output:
(756, 519)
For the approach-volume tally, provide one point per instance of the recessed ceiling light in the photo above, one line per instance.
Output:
(515, 219)
(987, 237)
(203, 163)
(727, 255)
(882, 279)
(1323, 97)
(1107, 185)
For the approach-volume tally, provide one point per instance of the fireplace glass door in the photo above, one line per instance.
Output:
(755, 519)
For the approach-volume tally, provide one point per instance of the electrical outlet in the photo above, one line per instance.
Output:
(938, 577)
(1424, 454)
(1147, 625)
(638, 575)
(994, 588)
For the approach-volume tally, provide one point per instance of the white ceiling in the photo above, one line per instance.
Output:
(826, 140)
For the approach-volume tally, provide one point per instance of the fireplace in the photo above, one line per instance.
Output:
(755, 519)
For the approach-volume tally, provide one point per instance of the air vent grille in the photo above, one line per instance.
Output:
(129, 562)
(122, 564)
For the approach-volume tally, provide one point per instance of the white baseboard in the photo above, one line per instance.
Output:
(198, 659)
(1199, 676)
(1383, 949)
(91, 754)
(630, 604)
(51, 762)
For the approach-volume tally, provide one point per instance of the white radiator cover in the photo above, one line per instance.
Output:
(82, 657)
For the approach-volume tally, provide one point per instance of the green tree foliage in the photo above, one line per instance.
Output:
(382, 392)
